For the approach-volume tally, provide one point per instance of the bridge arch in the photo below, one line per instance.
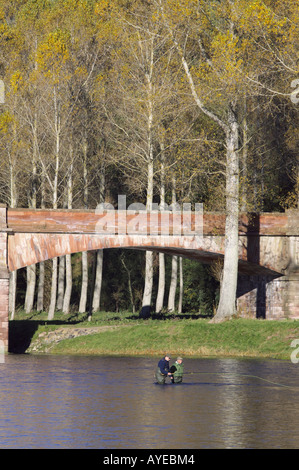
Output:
(265, 241)
(25, 249)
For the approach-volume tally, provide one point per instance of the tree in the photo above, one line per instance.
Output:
(140, 76)
(214, 41)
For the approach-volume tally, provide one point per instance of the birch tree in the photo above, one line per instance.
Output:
(213, 32)
(141, 68)
(174, 261)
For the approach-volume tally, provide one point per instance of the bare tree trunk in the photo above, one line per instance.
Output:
(180, 304)
(99, 269)
(12, 293)
(174, 263)
(41, 277)
(60, 283)
(161, 282)
(84, 282)
(244, 186)
(40, 287)
(92, 284)
(68, 284)
(31, 270)
(62, 263)
(149, 269)
(51, 310)
(227, 302)
(148, 281)
(98, 282)
(68, 257)
(55, 196)
(173, 284)
(30, 289)
(52, 306)
(13, 275)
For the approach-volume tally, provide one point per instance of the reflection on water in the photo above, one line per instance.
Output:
(111, 403)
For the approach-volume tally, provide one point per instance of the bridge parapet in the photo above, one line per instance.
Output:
(157, 222)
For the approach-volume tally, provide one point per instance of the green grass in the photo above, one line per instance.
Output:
(192, 337)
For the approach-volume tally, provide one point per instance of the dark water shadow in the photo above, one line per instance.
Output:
(21, 332)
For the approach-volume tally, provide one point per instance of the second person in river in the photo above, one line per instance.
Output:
(177, 370)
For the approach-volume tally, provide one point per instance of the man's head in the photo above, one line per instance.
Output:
(179, 360)
(167, 357)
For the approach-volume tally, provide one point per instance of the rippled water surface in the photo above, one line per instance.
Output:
(114, 403)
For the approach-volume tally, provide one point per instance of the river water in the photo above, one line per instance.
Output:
(114, 403)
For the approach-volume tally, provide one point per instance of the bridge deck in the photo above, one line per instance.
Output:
(78, 221)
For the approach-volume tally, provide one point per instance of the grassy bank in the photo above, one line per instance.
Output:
(126, 334)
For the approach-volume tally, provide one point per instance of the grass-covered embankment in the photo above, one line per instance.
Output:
(126, 334)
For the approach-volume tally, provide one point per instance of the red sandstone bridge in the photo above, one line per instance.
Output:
(268, 284)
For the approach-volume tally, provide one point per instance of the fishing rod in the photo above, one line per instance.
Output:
(243, 375)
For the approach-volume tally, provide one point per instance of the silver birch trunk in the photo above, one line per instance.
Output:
(52, 306)
(244, 202)
(96, 301)
(180, 303)
(68, 258)
(51, 310)
(30, 289)
(60, 283)
(41, 276)
(84, 261)
(173, 284)
(12, 293)
(174, 264)
(84, 283)
(31, 270)
(148, 280)
(68, 284)
(40, 287)
(161, 282)
(149, 268)
(13, 274)
(227, 303)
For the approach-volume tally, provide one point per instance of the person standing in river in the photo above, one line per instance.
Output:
(177, 370)
(162, 370)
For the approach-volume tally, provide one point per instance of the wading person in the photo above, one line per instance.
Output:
(177, 370)
(162, 370)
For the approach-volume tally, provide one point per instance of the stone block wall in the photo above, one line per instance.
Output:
(269, 298)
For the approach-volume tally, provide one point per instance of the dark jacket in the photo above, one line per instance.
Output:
(163, 366)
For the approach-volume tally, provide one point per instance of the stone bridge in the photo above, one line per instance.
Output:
(268, 284)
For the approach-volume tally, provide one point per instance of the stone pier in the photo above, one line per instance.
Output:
(268, 297)
(274, 296)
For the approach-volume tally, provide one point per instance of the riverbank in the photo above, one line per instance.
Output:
(126, 334)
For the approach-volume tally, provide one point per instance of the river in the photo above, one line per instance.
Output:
(67, 402)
